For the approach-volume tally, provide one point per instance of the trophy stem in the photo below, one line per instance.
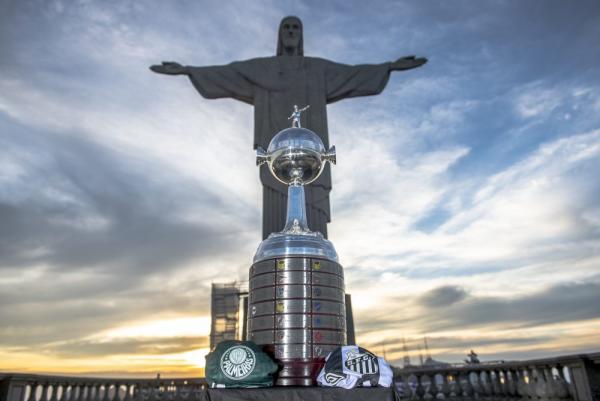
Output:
(296, 222)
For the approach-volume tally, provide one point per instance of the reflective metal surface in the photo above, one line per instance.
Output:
(322, 350)
(305, 381)
(262, 308)
(292, 306)
(260, 323)
(295, 239)
(293, 351)
(327, 280)
(328, 307)
(292, 291)
(262, 294)
(295, 245)
(296, 321)
(295, 117)
(328, 322)
(264, 267)
(327, 293)
(292, 264)
(295, 370)
(262, 337)
(262, 281)
(293, 336)
(297, 311)
(328, 337)
(325, 266)
(296, 300)
(296, 155)
(292, 277)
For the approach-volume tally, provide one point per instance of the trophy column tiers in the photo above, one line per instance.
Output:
(296, 311)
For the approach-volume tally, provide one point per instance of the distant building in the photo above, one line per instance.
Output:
(432, 363)
(406, 358)
(429, 361)
(227, 312)
(426, 360)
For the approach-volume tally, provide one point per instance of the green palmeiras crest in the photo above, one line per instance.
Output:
(238, 362)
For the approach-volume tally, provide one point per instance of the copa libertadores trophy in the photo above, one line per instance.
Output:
(296, 300)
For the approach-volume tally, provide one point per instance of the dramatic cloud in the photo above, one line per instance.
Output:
(79, 205)
(561, 303)
(465, 201)
(443, 296)
(152, 346)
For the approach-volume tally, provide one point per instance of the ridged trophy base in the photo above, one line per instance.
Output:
(297, 312)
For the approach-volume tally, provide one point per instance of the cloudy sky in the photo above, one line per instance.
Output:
(466, 200)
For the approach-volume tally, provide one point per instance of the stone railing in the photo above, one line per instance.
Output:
(25, 387)
(566, 378)
(573, 377)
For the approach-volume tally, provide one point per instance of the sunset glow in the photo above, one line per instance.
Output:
(465, 200)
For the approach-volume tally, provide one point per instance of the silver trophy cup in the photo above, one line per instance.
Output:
(296, 300)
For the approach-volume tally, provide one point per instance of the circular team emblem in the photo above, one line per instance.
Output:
(238, 362)
(362, 363)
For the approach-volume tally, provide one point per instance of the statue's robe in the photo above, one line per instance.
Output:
(273, 85)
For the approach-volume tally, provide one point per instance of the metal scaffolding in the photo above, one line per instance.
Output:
(225, 312)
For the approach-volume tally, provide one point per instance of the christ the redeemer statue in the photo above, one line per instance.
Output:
(273, 85)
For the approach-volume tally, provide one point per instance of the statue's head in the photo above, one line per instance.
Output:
(290, 41)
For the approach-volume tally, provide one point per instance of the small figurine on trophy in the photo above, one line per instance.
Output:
(296, 299)
(295, 117)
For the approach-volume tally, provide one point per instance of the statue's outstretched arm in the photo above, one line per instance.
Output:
(407, 63)
(170, 68)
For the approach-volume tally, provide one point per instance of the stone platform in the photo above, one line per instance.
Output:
(301, 394)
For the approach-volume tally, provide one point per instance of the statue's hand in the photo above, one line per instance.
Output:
(170, 68)
(406, 63)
